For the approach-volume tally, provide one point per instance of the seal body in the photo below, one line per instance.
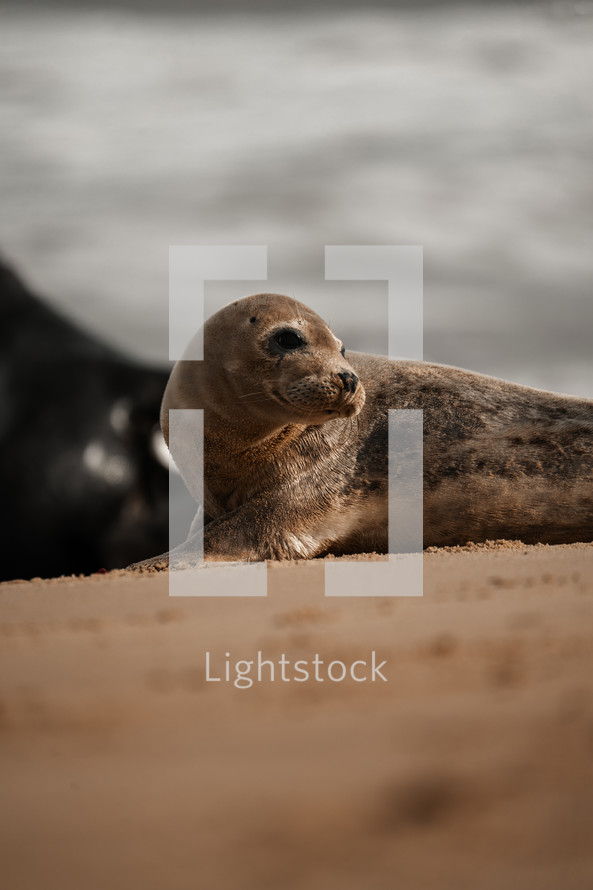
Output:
(81, 483)
(295, 443)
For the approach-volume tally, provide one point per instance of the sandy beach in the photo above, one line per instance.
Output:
(470, 766)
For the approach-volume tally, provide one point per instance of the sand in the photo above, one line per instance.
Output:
(471, 767)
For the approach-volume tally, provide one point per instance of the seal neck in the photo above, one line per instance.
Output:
(246, 434)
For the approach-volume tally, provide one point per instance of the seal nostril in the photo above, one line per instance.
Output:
(349, 380)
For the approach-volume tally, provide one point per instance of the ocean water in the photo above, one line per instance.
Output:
(468, 130)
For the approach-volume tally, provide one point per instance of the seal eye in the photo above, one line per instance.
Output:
(343, 351)
(287, 340)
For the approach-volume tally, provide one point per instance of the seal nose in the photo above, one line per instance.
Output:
(349, 381)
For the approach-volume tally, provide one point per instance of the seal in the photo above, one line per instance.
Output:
(83, 486)
(295, 443)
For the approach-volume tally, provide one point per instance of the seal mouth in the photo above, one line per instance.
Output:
(288, 404)
(280, 398)
(348, 409)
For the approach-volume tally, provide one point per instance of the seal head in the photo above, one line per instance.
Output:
(269, 361)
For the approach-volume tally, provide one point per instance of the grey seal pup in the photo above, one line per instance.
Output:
(295, 443)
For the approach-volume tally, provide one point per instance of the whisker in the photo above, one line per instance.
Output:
(258, 392)
(342, 439)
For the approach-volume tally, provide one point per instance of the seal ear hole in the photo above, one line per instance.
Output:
(253, 319)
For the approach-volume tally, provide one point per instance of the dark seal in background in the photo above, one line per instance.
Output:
(82, 476)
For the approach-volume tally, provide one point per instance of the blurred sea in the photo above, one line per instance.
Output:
(467, 129)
